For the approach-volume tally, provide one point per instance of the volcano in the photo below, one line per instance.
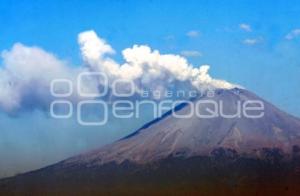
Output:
(234, 155)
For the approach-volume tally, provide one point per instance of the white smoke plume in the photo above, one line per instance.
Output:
(26, 72)
(147, 68)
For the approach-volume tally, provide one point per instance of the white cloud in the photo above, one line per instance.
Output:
(26, 75)
(245, 27)
(191, 53)
(193, 33)
(93, 47)
(27, 72)
(293, 34)
(252, 41)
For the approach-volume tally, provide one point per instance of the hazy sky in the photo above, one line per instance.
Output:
(252, 43)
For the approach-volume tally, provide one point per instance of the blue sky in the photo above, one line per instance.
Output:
(252, 43)
(54, 26)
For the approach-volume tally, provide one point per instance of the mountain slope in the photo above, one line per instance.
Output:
(197, 136)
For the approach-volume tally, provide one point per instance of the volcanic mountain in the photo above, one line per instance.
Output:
(185, 156)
